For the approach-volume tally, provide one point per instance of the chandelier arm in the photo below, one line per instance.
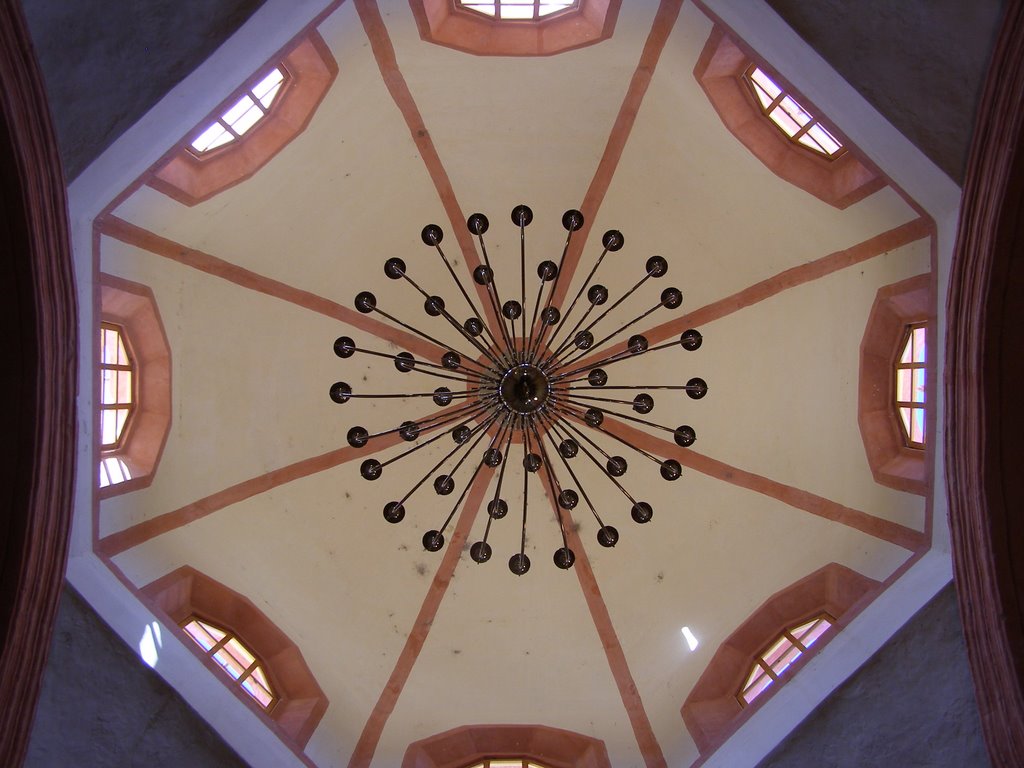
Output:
(567, 341)
(423, 479)
(494, 417)
(458, 502)
(572, 474)
(522, 302)
(617, 357)
(455, 323)
(561, 263)
(685, 387)
(627, 416)
(622, 440)
(573, 398)
(448, 417)
(492, 294)
(434, 439)
(501, 479)
(597, 344)
(417, 362)
(393, 395)
(458, 282)
(426, 336)
(579, 293)
(601, 317)
(528, 346)
(553, 484)
(564, 428)
(526, 488)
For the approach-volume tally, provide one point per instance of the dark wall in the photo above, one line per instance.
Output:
(911, 706)
(102, 707)
(106, 62)
(921, 64)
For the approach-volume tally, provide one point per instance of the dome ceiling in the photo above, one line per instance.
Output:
(257, 488)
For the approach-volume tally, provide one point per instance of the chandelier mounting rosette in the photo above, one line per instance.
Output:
(534, 383)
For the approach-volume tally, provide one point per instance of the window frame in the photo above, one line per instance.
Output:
(840, 182)
(256, 664)
(761, 662)
(443, 23)
(108, 450)
(459, 6)
(246, 90)
(191, 179)
(748, 78)
(301, 702)
(132, 308)
(898, 365)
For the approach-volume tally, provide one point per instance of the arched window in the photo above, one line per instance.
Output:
(762, 650)
(237, 661)
(777, 128)
(242, 116)
(775, 659)
(517, 10)
(134, 394)
(262, 666)
(507, 746)
(892, 413)
(910, 385)
(789, 116)
(117, 402)
(515, 27)
(248, 130)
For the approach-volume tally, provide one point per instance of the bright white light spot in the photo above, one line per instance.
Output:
(691, 639)
(150, 644)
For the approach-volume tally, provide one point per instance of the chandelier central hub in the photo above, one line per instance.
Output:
(524, 389)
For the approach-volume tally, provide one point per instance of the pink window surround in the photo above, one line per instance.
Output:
(191, 179)
(712, 710)
(892, 463)
(839, 181)
(133, 307)
(443, 23)
(301, 703)
(469, 744)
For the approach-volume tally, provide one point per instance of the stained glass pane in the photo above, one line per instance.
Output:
(239, 108)
(248, 120)
(784, 121)
(268, 86)
(214, 136)
(904, 384)
(917, 426)
(757, 688)
(791, 655)
(919, 344)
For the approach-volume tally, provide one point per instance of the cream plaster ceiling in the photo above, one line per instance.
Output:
(251, 373)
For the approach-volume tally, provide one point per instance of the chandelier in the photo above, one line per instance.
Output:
(538, 383)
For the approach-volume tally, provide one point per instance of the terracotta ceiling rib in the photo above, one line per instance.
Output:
(880, 528)
(131, 234)
(384, 53)
(783, 281)
(363, 753)
(140, 533)
(664, 21)
(634, 705)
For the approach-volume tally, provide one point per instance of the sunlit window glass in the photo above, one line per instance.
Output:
(234, 658)
(911, 374)
(789, 116)
(783, 651)
(241, 116)
(517, 10)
